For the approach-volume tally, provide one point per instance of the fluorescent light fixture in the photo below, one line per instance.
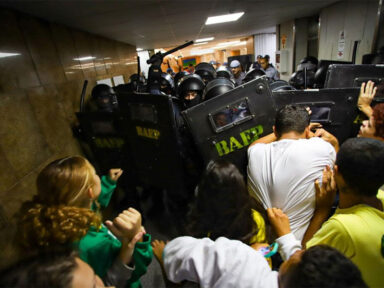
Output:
(228, 43)
(139, 49)
(240, 43)
(223, 18)
(84, 58)
(201, 43)
(204, 39)
(201, 51)
(4, 54)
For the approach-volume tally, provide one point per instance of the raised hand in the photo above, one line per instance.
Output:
(115, 173)
(126, 225)
(325, 194)
(158, 247)
(279, 221)
(367, 93)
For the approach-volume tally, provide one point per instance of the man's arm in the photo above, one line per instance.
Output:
(326, 136)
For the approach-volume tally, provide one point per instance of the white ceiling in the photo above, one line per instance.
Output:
(159, 23)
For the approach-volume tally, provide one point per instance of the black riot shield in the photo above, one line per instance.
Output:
(224, 126)
(349, 75)
(106, 135)
(153, 141)
(335, 109)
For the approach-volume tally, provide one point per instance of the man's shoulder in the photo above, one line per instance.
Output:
(317, 142)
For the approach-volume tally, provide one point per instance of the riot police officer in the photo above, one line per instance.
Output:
(224, 72)
(253, 74)
(217, 87)
(190, 90)
(104, 98)
(167, 85)
(178, 78)
(304, 77)
(206, 71)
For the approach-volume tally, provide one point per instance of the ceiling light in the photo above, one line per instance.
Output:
(3, 54)
(224, 18)
(204, 39)
(228, 43)
(201, 51)
(201, 43)
(240, 43)
(139, 49)
(84, 58)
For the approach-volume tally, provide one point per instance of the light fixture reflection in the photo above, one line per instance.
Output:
(5, 54)
(86, 58)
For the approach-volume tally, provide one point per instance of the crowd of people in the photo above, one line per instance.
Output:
(316, 203)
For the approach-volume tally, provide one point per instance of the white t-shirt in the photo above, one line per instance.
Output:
(221, 263)
(282, 174)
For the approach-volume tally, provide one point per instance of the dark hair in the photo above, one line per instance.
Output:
(324, 266)
(49, 269)
(361, 163)
(291, 118)
(378, 115)
(222, 206)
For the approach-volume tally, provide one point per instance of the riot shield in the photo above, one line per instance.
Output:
(224, 126)
(106, 135)
(153, 141)
(349, 75)
(335, 109)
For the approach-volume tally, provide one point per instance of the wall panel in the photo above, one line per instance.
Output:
(39, 94)
(357, 19)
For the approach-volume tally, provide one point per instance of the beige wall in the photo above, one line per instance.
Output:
(357, 19)
(286, 29)
(39, 95)
(301, 39)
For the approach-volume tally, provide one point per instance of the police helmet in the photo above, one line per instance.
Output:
(217, 87)
(309, 63)
(167, 85)
(134, 81)
(206, 71)
(178, 77)
(253, 74)
(224, 72)
(298, 80)
(190, 83)
(320, 76)
(280, 85)
(104, 97)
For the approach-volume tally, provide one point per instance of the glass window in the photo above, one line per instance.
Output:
(231, 114)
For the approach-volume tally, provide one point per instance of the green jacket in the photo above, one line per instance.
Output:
(99, 247)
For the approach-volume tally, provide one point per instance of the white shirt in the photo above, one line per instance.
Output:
(282, 174)
(221, 263)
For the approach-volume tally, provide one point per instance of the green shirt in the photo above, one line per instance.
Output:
(99, 247)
